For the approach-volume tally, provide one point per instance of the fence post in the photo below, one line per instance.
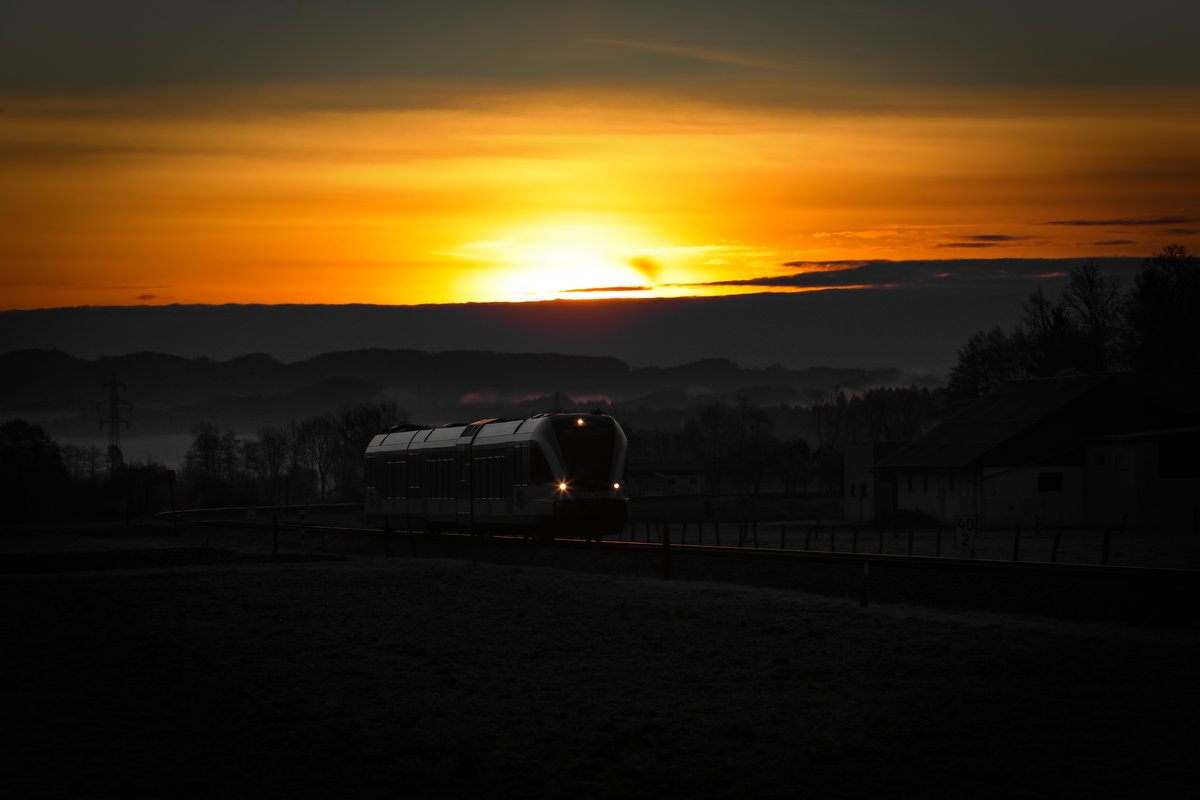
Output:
(1017, 542)
(910, 539)
(1107, 544)
(782, 536)
(174, 514)
(854, 541)
(666, 544)
(862, 599)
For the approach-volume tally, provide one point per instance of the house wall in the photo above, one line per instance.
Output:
(1116, 482)
(942, 494)
(858, 482)
(1148, 481)
(1046, 496)
(867, 494)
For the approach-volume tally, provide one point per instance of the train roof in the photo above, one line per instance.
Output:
(406, 436)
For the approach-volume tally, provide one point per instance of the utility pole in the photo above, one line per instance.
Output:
(113, 419)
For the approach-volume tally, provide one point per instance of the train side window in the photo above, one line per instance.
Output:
(539, 468)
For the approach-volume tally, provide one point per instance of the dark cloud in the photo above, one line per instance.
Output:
(1182, 231)
(1123, 221)
(83, 44)
(647, 266)
(984, 240)
(1114, 242)
(610, 289)
(958, 272)
(147, 297)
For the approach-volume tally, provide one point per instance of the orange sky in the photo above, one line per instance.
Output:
(462, 188)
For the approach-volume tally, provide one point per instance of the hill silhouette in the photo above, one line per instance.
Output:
(171, 393)
(917, 330)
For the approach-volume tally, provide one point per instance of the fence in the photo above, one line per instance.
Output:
(1116, 546)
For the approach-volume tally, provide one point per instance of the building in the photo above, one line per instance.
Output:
(1097, 450)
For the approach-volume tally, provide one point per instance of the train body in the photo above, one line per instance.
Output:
(554, 474)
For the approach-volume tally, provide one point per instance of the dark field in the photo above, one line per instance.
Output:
(374, 677)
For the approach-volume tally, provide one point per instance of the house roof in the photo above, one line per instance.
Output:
(981, 432)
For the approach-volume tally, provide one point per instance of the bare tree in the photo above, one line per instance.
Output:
(316, 445)
(986, 362)
(1093, 301)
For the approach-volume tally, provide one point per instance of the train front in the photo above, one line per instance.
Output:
(589, 498)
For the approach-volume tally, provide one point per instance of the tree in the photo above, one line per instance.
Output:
(1093, 302)
(33, 477)
(1163, 312)
(986, 362)
(316, 445)
(1048, 340)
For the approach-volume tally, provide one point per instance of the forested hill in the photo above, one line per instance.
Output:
(168, 391)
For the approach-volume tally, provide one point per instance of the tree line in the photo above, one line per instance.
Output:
(319, 459)
(1094, 326)
(314, 460)
(736, 447)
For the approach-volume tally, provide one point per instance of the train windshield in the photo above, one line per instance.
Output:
(587, 445)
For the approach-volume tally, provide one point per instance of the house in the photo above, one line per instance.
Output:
(867, 493)
(1046, 452)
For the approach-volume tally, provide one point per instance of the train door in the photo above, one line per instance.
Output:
(464, 505)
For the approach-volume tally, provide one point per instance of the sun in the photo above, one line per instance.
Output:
(579, 261)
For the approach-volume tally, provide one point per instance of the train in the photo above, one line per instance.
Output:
(552, 475)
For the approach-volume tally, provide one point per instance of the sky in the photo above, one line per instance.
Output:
(412, 153)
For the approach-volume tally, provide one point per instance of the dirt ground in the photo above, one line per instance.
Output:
(373, 677)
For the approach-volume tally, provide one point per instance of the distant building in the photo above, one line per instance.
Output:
(867, 493)
(1080, 450)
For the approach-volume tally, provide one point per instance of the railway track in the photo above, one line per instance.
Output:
(1145, 597)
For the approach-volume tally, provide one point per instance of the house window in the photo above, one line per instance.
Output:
(1050, 481)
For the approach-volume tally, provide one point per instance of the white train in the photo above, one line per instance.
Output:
(554, 474)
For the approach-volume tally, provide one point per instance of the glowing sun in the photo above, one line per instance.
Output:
(571, 260)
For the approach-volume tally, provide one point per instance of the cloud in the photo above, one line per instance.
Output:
(961, 272)
(695, 53)
(647, 266)
(985, 240)
(609, 289)
(1114, 242)
(1123, 221)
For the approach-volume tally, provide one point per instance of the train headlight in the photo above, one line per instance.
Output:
(616, 485)
(562, 487)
